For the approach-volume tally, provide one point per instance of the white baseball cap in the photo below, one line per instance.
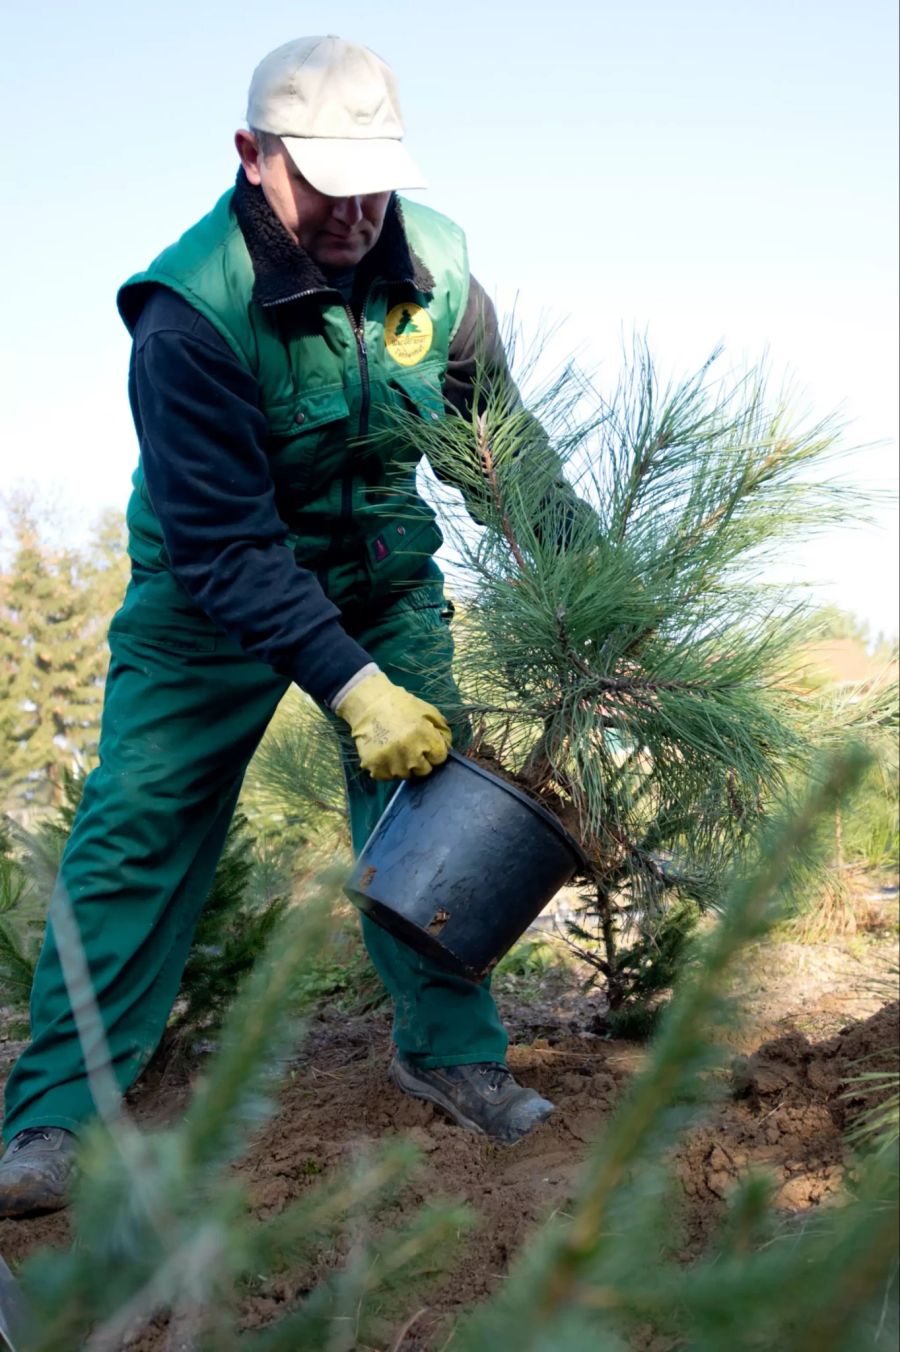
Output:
(334, 105)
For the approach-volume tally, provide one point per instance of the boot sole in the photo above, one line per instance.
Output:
(28, 1213)
(21, 1204)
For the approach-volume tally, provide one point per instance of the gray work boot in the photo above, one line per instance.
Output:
(483, 1097)
(36, 1170)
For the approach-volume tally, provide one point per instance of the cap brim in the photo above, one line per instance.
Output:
(349, 168)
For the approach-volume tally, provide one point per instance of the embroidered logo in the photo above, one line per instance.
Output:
(408, 333)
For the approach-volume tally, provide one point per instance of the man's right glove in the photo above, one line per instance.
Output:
(396, 734)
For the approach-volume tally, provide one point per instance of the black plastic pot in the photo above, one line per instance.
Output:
(460, 864)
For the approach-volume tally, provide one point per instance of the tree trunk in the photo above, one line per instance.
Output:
(615, 991)
(838, 840)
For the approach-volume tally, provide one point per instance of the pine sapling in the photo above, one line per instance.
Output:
(621, 655)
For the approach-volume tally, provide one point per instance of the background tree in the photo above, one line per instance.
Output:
(831, 622)
(55, 605)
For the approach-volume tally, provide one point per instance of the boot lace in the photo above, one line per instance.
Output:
(495, 1073)
(30, 1134)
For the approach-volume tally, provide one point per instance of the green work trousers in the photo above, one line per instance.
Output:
(184, 711)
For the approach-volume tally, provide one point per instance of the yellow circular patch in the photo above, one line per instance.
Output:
(408, 332)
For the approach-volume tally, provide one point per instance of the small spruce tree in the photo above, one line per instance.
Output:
(233, 931)
(294, 788)
(19, 930)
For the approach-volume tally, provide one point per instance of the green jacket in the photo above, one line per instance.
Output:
(330, 387)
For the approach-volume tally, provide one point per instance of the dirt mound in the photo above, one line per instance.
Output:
(338, 1103)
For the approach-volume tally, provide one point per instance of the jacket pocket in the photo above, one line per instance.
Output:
(422, 391)
(176, 641)
(397, 550)
(157, 612)
(308, 439)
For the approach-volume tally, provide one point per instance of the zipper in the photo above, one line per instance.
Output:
(301, 295)
(362, 356)
(359, 333)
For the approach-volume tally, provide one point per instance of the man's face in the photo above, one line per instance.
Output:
(337, 232)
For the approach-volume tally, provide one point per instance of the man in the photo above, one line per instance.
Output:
(276, 535)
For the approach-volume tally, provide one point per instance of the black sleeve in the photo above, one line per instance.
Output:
(478, 347)
(202, 433)
(477, 340)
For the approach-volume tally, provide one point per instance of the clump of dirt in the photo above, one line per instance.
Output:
(791, 1068)
(786, 1113)
(793, 1103)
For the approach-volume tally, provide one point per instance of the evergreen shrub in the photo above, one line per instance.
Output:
(623, 655)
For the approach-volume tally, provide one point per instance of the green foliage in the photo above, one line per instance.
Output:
(626, 664)
(531, 956)
(55, 605)
(342, 976)
(162, 1225)
(533, 967)
(649, 959)
(232, 933)
(252, 888)
(29, 863)
(871, 821)
(655, 958)
(19, 943)
(249, 894)
(295, 783)
(864, 831)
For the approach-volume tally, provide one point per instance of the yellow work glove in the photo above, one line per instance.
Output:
(396, 734)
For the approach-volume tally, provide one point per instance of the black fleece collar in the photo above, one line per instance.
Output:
(285, 272)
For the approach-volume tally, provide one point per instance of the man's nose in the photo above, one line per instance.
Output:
(347, 210)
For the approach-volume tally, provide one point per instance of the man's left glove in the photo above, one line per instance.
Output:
(396, 734)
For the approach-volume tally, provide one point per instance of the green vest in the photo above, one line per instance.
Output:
(344, 478)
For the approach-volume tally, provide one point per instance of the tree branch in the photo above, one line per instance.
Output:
(486, 456)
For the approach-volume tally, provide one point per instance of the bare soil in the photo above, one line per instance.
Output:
(789, 1100)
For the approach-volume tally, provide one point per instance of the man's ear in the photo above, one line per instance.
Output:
(248, 151)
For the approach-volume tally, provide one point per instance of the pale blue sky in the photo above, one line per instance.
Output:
(700, 170)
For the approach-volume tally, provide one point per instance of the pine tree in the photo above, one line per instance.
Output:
(294, 790)
(55, 606)
(621, 656)
(233, 932)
